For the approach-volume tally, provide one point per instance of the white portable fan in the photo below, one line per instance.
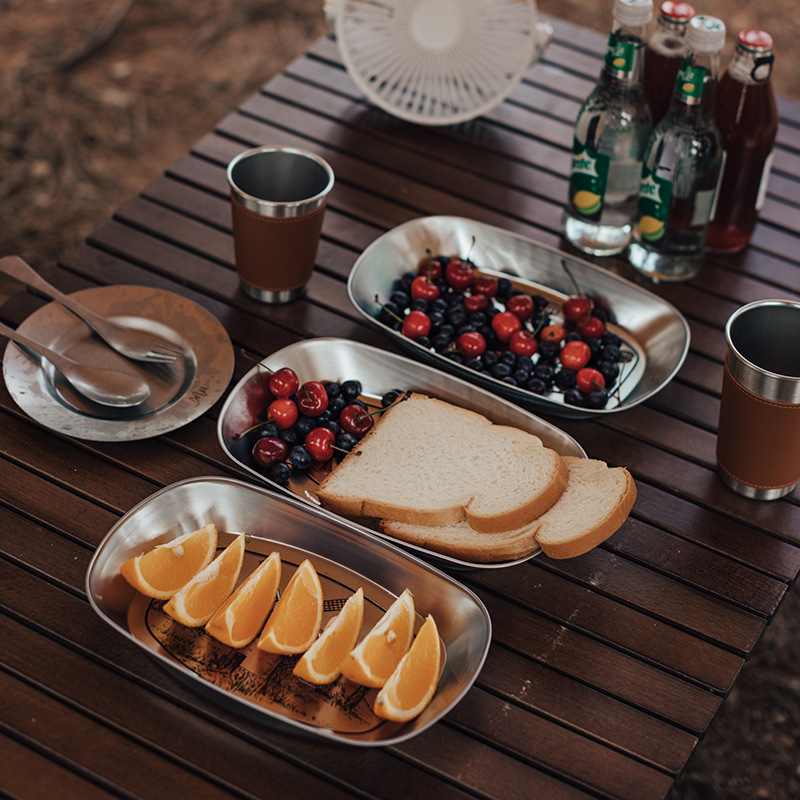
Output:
(437, 62)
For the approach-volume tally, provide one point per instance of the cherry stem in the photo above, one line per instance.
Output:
(571, 276)
(251, 429)
(387, 310)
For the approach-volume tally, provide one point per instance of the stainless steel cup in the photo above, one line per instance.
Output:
(278, 199)
(758, 442)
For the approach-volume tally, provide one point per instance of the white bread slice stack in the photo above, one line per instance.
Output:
(427, 462)
(594, 505)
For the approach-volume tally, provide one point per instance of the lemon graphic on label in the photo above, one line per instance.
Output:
(651, 228)
(688, 88)
(619, 62)
(587, 202)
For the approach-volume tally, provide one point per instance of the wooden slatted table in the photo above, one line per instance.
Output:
(604, 671)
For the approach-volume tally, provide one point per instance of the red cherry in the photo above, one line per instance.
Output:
(471, 344)
(522, 343)
(284, 382)
(431, 268)
(269, 450)
(416, 324)
(504, 324)
(355, 419)
(485, 285)
(576, 308)
(319, 443)
(475, 302)
(312, 399)
(424, 289)
(553, 333)
(575, 355)
(591, 328)
(283, 412)
(459, 274)
(521, 305)
(589, 379)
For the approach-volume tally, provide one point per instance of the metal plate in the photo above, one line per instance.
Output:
(379, 372)
(180, 392)
(345, 558)
(654, 329)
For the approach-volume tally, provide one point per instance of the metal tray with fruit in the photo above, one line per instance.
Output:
(260, 684)
(372, 374)
(526, 321)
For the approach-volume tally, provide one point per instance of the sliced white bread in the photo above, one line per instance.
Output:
(432, 463)
(596, 502)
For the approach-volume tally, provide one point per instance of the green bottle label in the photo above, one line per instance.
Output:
(619, 55)
(689, 83)
(587, 180)
(654, 198)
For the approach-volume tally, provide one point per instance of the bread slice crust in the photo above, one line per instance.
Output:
(431, 463)
(598, 499)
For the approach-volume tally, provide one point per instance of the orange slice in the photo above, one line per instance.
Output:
(160, 572)
(374, 659)
(239, 619)
(294, 623)
(194, 604)
(412, 685)
(322, 661)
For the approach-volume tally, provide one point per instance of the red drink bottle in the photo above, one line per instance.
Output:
(663, 56)
(747, 118)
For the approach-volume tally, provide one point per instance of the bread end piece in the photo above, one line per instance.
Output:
(560, 539)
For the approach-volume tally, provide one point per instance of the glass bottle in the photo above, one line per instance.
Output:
(682, 165)
(609, 139)
(663, 55)
(747, 118)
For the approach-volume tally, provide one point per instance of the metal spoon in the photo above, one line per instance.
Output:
(109, 387)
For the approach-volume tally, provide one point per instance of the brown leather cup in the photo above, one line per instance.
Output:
(758, 441)
(278, 199)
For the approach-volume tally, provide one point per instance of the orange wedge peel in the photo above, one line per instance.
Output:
(413, 683)
(295, 621)
(240, 618)
(375, 658)
(321, 663)
(195, 603)
(163, 570)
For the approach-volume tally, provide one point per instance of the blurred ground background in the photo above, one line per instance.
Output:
(98, 96)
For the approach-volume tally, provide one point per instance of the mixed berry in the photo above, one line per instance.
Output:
(485, 323)
(302, 428)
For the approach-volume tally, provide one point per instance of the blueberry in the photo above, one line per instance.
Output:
(290, 437)
(280, 473)
(390, 397)
(573, 397)
(566, 379)
(500, 370)
(333, 390)
(299, 457)
(536, 385)
(304, 426)
(351, 389)
(597, 398)
(270, 429)
(345, 441)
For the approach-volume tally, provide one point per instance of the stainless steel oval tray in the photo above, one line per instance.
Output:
(345, 557)
(379, 372)
(654, 330)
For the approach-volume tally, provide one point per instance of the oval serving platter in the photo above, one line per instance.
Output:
(653, 331)
(379, 371)
(261, 685)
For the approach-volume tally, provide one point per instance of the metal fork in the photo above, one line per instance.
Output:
(132, 343)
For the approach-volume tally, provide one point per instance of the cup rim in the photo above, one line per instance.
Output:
(741, 312)
(252, 200)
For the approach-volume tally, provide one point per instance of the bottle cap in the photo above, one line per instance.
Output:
(705, 34)
(633, 13)
(677, 11)
(756, 40)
